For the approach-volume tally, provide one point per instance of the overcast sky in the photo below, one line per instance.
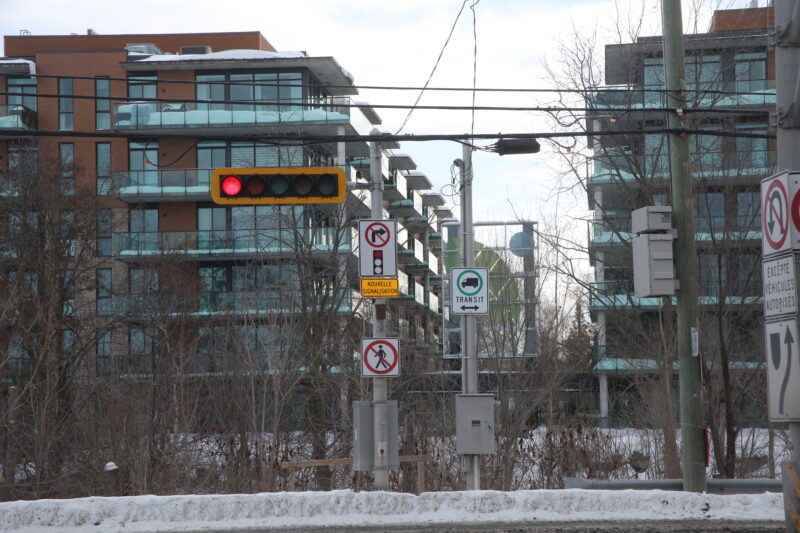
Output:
(388, 43)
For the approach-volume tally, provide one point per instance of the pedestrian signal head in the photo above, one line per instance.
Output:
(306, 185)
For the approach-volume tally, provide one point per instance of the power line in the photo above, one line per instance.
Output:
(305, 138)
(430, 76)
(257, 83)
(306, 104)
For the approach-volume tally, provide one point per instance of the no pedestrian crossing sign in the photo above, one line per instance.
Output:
(469, 291)
(380, 357)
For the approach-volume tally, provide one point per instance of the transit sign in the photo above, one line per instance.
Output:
(380, 357)
(377, 248)
(775, 214)
(380, 288)
(469, 291)
(780, 286)
(783, 370)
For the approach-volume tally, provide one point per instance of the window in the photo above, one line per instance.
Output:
(142, 86)
(707, 150)
(104, 363)
(102, 106)
(104, 232)
(66, 232)
(710, 273)
(751, 153)
(142, 347)
(103, 300)
(212, 350)
(751, 72)
(656, 155)
(210, 155)
(748, 211)
(65, 104)
(143, 281)
(103, 168)
(709, 212)
(23, 161)
(143, 163)
(281, 91)
(26, 285)
(143, 225)
(66, 156)
(22, 91)
(68, 291)
(703, 72)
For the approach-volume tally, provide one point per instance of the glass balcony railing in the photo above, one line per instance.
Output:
(162, 184)
(17, 117)
(172, 115)
(231, 243)
(269, 301)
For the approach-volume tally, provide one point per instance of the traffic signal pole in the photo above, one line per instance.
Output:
(469, 332)
(380, 468)
(787, 89)
(691, 398)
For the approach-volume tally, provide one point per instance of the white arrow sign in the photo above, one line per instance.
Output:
(783, 370)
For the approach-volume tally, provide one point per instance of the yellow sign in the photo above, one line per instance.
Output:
(380, 288)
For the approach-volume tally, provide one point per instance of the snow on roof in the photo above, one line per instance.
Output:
(21, 62)
(348, 509)
(227, 55)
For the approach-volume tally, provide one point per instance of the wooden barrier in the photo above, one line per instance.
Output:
(291, 466)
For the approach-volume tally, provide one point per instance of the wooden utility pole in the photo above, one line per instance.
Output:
(691, 397)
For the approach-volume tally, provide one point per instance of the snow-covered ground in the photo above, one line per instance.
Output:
(347, 508)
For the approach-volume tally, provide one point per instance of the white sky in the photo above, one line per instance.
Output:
(389, 43)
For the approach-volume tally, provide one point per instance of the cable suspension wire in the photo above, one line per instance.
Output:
(288, 139)
(295, 105)
(430, 76)
(257, 83)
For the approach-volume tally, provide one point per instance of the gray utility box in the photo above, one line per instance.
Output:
(364, 436)
(653, 271)
(475, 424)
(652, 219)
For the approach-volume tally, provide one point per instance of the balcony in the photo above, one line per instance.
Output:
(16, 117)
(268, 302)
(179, 185)
(411, 292)
(231, 244)
(610, 228)
(256, 303)
(323, 118)
(395, 189)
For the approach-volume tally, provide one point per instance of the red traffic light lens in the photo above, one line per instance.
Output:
(231, 185)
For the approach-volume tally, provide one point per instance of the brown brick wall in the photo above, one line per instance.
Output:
(742, 19)
(177, 217)
(30, 45)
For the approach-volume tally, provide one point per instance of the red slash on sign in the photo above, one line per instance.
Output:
(775, 215)
(380, 357)
(377, 234)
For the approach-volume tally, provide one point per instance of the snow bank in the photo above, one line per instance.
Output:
(347, 508)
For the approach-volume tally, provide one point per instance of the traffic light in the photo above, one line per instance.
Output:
(306, 185)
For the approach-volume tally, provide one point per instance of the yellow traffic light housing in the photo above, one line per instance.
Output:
(301, 185)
